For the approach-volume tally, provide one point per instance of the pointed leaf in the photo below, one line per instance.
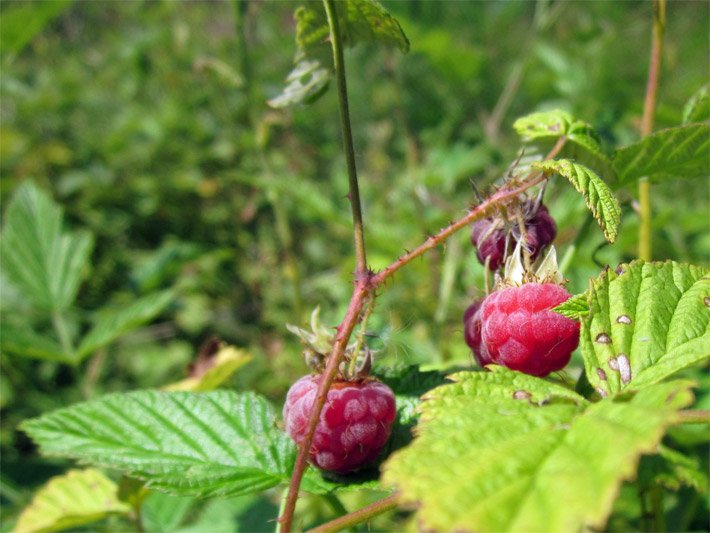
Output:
(208, 444)
(226, 362)
(597, 195)
(698, 107)
(42, 260)
(488, 457)
(576, 307)
(582, 143)
(21, 22)
(21, 339)
(112, 323)
(73, 499)
(306, 82)
(682, 152)
(645, 324)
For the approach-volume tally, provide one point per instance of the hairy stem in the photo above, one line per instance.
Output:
(649, 108)
(693, 416)
(354, 189)
(359, 516)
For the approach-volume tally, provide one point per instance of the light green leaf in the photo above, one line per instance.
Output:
(42, 260)
(575, 308)
(225, 363)
(163, 513)
(488, 457)
(681, 152)
(207, 444)
(358, 20)
(112, 323)
(73, 499)
(645, 324)
(597, 195)
(306, 82)
(698, 107)
(582, 143)
(21, 22)
(21, 339)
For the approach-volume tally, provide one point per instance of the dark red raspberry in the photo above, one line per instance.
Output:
(489, 234)
(540, 230)
(472, 333)
(488, 237)
(519, 330)
(354, 425)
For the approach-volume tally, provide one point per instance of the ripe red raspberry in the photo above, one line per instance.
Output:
(472, 333)
(354, 425)
(519, 330)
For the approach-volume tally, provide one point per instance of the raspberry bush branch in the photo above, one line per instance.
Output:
(354, 189)
(358, 517)
(364, 287)
(649, 108)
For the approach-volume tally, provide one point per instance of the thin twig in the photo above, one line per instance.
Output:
(354, 189)
(649, 108)
(359, 516)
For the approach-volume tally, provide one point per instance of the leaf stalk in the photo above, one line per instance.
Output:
(359, 516)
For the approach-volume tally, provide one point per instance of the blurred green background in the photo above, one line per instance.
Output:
(148, 123)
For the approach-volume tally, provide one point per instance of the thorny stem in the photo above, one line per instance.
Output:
(649, 107)
(364, 287)
(361, 336)
(354, 189)
(367, 282)
(693, 416)
(359, 516)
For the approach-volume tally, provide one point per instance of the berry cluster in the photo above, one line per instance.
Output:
(493, 237)
(514, 326)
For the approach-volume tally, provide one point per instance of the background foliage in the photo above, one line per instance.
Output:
(215, 214)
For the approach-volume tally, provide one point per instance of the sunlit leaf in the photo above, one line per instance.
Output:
(73, 499)
(494, 453)
(597, 195)
(645, 324)
(697, 109)
(225, 363)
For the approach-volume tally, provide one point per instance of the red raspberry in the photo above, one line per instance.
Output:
(519, 330)
(354, 425)
(472, 333)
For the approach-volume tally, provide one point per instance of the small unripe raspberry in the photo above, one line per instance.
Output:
(520, 331)
(472, 333)
(354, 425)
(488, 237)
(540, 230)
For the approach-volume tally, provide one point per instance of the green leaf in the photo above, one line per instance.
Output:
(576, 307)
(489, 457)
(306, 82)
(74, 499)
(21, 339)
(208, 444)
(225, 363)
(599, 198)
(44, 262)
(162, 512)
(698, 107)
(21, 22)
(645, 324)
(672, 470)
(681, 152)
(358, 20)
(582, 144)
(112, 323)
